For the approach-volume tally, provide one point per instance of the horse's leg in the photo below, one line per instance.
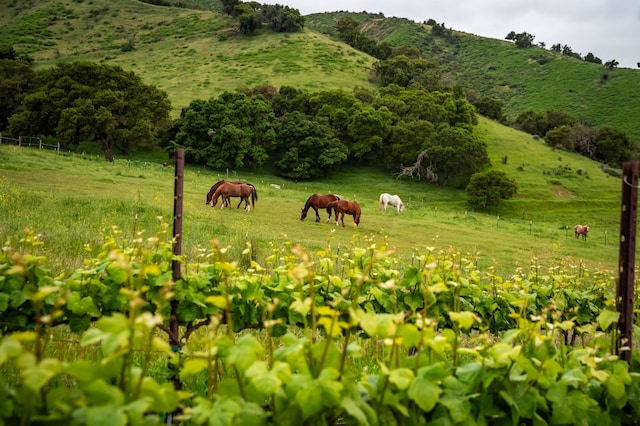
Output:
(317, 214)
(342, 218)
(247, 207)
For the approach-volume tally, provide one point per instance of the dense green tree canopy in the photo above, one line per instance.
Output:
(405, 72)
(489, 107)
(613, 146)
(532, 122)
(282, 19)
(85, 101)
(561, 129)
(306, 148)
(559, 137)
(457, 154)
(490, 188)
(17, 78)
(233, 130)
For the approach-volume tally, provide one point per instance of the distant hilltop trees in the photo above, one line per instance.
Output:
(252, 16)
(525, 40)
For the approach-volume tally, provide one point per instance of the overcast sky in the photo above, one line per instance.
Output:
(610, 29)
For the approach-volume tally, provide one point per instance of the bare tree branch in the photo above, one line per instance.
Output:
(420, 171)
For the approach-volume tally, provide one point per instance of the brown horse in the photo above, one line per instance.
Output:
(226, 201)
(318, 202)
(581, 230)
(242, 190)
(342, 207)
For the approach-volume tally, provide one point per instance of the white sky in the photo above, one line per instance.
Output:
(610, 29)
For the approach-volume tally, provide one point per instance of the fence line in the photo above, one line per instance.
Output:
(28, 141)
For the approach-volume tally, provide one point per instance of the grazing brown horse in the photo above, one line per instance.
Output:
(227, 190)
(318, 202)
(226, 201)
(342, 207)
(581, 230)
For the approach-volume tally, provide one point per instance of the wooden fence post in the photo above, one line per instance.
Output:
(626, 260)
(174, 335)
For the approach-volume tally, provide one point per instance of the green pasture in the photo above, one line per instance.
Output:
(70, 198)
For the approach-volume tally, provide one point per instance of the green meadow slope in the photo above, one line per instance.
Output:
(533, 78)
(190, 54)
(68, 198)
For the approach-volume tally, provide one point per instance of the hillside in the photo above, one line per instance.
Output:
(190, 54)
(195, 53)
(533, 78)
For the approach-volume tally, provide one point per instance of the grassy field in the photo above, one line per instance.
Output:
(69, 199)
(188, 53)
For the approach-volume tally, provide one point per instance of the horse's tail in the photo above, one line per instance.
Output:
(254, 195)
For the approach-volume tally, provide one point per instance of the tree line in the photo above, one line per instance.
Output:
(301, 135)
(253, 16)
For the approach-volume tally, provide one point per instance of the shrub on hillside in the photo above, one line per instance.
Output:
(490, 188)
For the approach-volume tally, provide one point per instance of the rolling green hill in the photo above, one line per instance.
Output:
(533, 78)
(195, 53)
(190, 54)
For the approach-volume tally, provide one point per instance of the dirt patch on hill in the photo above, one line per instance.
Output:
(560, 191)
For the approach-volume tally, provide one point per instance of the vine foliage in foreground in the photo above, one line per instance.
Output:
(458, 345)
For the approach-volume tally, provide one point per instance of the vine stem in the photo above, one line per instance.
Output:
(145, 364)
(326, 345)
(314, 323)
(386, 381)
(343, 358)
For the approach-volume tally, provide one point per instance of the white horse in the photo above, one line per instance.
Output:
(394, 200)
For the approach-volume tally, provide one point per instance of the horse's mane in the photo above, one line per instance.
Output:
(307, 205)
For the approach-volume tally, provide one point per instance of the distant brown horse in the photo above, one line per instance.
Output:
(229, 189)
(342, 207)
(581, 230)
(318, 202)
(220, 182)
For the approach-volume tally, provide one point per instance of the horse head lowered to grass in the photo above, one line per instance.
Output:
(386, 199)
(226, 190)
(342, 207)
(318, 202)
